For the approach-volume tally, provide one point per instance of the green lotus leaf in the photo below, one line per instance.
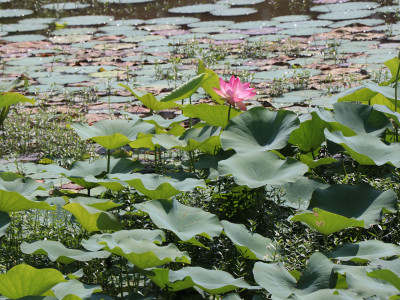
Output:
(214, 115)
(187, 89)
(74, 289)
(24, 186)
(281, 284)
(205, 139)
(14, 201)
(367, 149)
(143, 141)
(186, 222)
(261, 168)
(10, 98)
(364, 251)
(354, 118)
(24, 280)
(250, 245)
(144, 253)
(93, 219)
(356, 94)
(386, 275)
(325, 294)
(298, 194)
(100, 204)
(5, 221)
(326, 222)
(211, 281)
(159, 121)
(311, 163)
(309, 136)
(209, 163)
(211, 82)
(379, 99)
(395, 116)
(156, 236)
(58, 252)
(150, 101)
(109, 183)
(387, 91)
(158, 186)
(393, 65)
(161, 278)
(259, 129)
(361, 202)
(113, 134)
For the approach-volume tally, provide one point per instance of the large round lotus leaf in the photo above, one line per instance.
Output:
(388, 9)
(214, 115)
(93, 219)
(215, 29)
(113, 134)
(211, 281)
(10, 98)
(15, 13)
(91, 181)
(65, 6)
(126, 1)
(197, 9)
(63, 79)
(159, 121)
(291, 18)
(281, 284)
(23, 27)
(5, 221)
(354, 118)
(157, 186)
(344, 6)
(24, 38)
(356, 46)
(367, 149)
(251, 25)
(371, 59)
(250, 245)
(228, 36)
(261, 168)
(123, 30)
(32, 61)
(364, 251)
(36, 21)
(204, 139)
(94, 242)
(14, 201)
(69, 39)
(230, 12)
(24, 280)
(240, 2)
(73, 288)
(346, 15)
(173, 21)
(185, 221)
(287, 73)
(58, 252)
(304, 24)
(101, 204)
(259, 129)
(85, 20)
(211, 23)
(360, 202)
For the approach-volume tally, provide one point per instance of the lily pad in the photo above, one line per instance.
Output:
(65, 6)
(230, 12)
(173, 21)
(125, 1)
(15, 13)
(346, 15)
(63, 79)
(85, 20)
(197, 9)
(356, 5)
(24, 38)
(291, 18)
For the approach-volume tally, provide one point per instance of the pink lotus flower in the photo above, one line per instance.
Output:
(235, 92)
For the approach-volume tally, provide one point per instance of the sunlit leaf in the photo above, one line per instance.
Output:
(187, 89)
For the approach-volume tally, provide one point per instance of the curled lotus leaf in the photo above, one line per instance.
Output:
(93, 219)
(100, 204)
(367, 149)
(5, 221)
(158, 186)
(261, 168)
(144, 253)
(113, 134)
(250, 245)
(258, 130)
(74, 288)
(281, 284)
(14, 201)
(58, 252)
(186, 222)
(94, 242)
(24, 280)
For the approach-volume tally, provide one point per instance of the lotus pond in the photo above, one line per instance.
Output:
(129, 170)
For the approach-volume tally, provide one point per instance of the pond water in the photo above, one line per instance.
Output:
(293, 52)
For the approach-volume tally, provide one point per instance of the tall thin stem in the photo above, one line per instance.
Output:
(229, 112)
(108, 160)
(395, 94)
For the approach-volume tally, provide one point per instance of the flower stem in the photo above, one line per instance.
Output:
(229, 112)
(395, 94)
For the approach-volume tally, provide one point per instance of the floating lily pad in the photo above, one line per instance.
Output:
(69, 39)
(132, 22)
(304, 31)
(85, 20)
(173, 21)
(63, 79)
(23, 27)
(125, 1)
(210, 29)
(305, 24)
(288, 73)
(388, 9)
(74, 31)
(230, 12)
(241, 2)
(367, 22)
(31, 61)
(291, 18)
(65, 6)
(126, 30)
(228, 36)
(346, 15)
(252, 24)
(36, 21)
(24, 38)
(344, 6)
(15, 13)
(211, 23)
(197, 9)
